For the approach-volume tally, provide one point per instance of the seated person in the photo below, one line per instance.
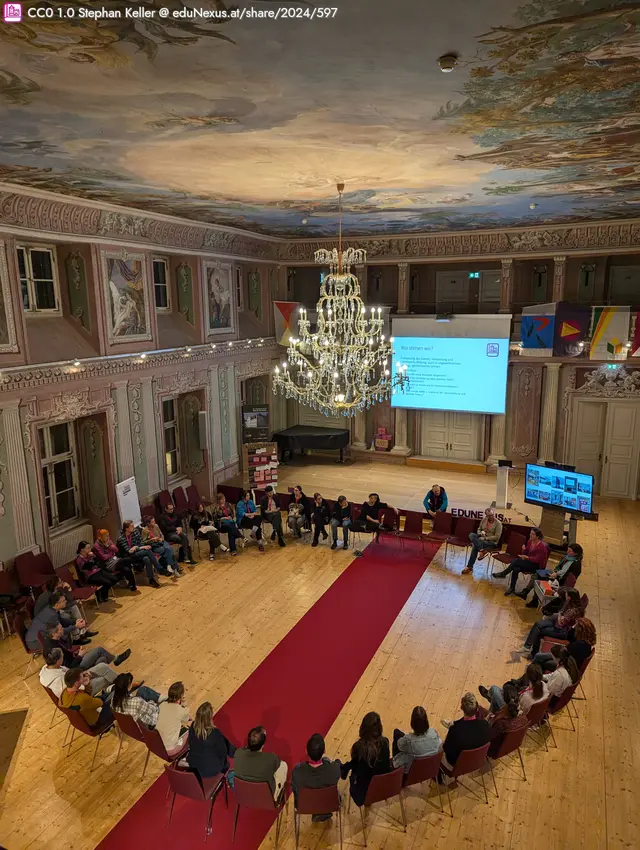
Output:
(95, 711)
(131, 546)
(106, 553)
(320, 516)
(317, 772)
(173, 720)
(571, 564)
(153, 536)
(468, 733)
(508, 719)
(138, 701)
(93, 574)
(203, 528)
(52, 674)
(209, 750)
(225, 521)
(486, 538)
(341, 519)
(67, 615)
(247, 516)
(582, 640)
(79, 656)
(172, 527)
(368, 521)
(565, 674)
(270, 512)
(254, 765)
(528, 690)
(435, 500)
(50, 616)
(421, 741)
(370, 757)
(299, 512)
(558, 625)
(535, 554)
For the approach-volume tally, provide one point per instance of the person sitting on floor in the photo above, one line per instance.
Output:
(270, 512)
(571, 564)
(172, 527)
(204, 528)
(67, 615)
(106, 553)
(421, 741)
(528, 690)
(535, 554)
(435, 501)
(50, 616)
(252, 764)
(173, 720)
(209, 750)
(317, 772)
(341, 519)
(247, 516)
(369, 520)
(94, 711)
(91, 572)
(131, 546)
(80, 656)
(320, 516)
(224, 519)
(138, 701)
(153, 536)
(52, 674)
(557, 626)
(299, 512)
(485, 539)
(370, 757)
(468, 733)
(582, 641)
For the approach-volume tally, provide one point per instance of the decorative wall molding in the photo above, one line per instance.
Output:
(604, 382)
(95, 483)
(8, 339)
(183, 382)
(136, 420)
(65, 406)
(223, 389)
(525, 400)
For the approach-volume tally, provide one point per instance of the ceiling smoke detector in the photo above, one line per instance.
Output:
(448, 62)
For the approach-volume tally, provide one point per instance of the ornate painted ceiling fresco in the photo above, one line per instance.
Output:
(251, 122)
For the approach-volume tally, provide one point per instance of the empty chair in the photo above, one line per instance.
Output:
(510, 743)
(425, 769)
(185, 783)
(383, 786)
(33, 570)
(257, 795)
(317, 801)
(20, 628)
(460, 537)
(164, 499)
(513, 550)
(562, 702)
(127, 725)
(54, 700)
(11, 601)
(412, 528)
(442, 527)
(181, 502)
(536, 716)
(468, 762)
(156, 746)
(391, 520)
(80, 725)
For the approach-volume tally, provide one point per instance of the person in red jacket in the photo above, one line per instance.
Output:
(535, 554)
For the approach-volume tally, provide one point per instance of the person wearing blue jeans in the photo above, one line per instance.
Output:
(224, 518)
(341, 519)
(488, 537)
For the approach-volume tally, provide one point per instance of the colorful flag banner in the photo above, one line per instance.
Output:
(285, 319)
(610, 333)
(571, 329)
(537, 330)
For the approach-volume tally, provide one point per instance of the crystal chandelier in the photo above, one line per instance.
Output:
(346, 365)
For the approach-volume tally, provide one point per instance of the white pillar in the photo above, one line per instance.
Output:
(403, 287)
(559, 277)
(150, 436)
(496, 447)
(18, 479)
(233, 413)
(548, 417)
(124, 444)
(214, 419)
(400, 442)
(506, 288)
(359, 430)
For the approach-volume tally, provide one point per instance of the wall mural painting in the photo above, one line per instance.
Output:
(127, 298)
(218, 298)
(210, 120)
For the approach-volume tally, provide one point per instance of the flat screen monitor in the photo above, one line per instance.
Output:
(557, 488)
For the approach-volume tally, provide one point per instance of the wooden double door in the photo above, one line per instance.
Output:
(451, 435)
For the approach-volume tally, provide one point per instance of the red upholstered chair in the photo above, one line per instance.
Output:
(412, 528)
(563, 701)
(80, 725)
(194, 498)
(468, 762)
(11, 601)
(185, 783)
(424, 769)
(56, 709)
(391, 519)
(546, 645)
(283, 501)
(317, 801)
(156, 746)
(80, 594)
(164, 499)
(537, 714)
(181, 502)
(231, 494)
(383, 787)
(570, 580)
(442, 527)
(33, 570)
(127, 725)
(460, 537)
(510, 743)
(514, 549)
(20, 628)
(148, 512)
(257, 795)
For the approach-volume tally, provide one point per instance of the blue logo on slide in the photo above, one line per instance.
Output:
(493, 349)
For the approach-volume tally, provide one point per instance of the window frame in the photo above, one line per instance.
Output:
(48, 463)
(167, 284)
(32, 309)
(239, 282)
(166, 425)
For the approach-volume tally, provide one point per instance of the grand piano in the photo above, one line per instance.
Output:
(303, 437)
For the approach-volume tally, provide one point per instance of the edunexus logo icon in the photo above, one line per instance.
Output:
(12, 13)
(493, 349)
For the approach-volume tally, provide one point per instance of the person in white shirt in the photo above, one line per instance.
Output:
(52, 674)
(173, 720)
(565, 674)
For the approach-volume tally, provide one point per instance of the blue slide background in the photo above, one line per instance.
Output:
(452, 373)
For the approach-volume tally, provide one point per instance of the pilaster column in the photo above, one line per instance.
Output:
(548, 416)
(498, 433)
(18, 479)
(234, 424)
(150, 435)
(280, 291)
(559, 277)
(359, 433)
(403, 287)
(506, 289)
(217, 462)
(124, 443)
(400, 442)
(361, 273)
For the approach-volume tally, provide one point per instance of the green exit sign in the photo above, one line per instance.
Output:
(474, 275)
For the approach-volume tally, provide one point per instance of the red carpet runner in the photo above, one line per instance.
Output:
(299, 688)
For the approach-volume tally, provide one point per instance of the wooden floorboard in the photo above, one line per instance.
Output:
(216, 625)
